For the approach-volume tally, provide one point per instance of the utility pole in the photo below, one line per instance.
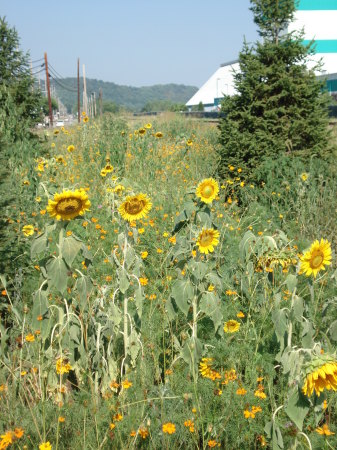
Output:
(48, 90)
(85, 98)
(100, 101)
(78, 91)
(95, 111)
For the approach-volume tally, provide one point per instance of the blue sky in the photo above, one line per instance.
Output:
(134, 42)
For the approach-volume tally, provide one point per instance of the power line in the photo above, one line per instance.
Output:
(38, 65)
(37, 60)
(61, 80)
(39, 71)
(67, 88)
(57, 74)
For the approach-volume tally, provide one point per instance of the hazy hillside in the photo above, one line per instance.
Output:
(134, 98)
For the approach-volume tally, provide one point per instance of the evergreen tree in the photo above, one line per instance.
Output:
(20, 109)
(20, 104)
(280, 107)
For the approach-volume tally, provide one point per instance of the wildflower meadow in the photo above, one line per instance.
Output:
(148, 303)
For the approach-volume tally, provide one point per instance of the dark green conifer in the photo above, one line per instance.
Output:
(280, 107)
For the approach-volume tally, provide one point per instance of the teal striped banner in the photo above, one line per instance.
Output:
(317, 5)
(324, 46)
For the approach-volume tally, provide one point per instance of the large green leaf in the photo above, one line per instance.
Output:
(297, 408)
(182, 292)
(192, 351)
(129, 257)
(246, 244)
(139, 299)
(280, 319)
(57, 274)
(39, 245)
(291, 282)
(124, 282)
(70, 248)
(84, 287)
(40, 307)
(198, 269)
(333, 331)
(210, 305)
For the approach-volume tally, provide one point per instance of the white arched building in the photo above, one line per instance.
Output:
(318, 20)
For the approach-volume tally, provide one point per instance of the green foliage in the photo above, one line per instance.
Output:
(198, 107)
(110, 107)
(19, 102)
(136, 302)
(19, 110)
(129, 97)
(280, 106)
(45, 105)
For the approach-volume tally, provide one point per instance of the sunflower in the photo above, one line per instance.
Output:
(207, 190)
(232, 326)
(141, 131)
(86, 119)
(71, 148)
(68, 204)
(207, 240)
(135, 207)
(159, 134)
(28, 230)
(119, 189)
(206, 370)
(321, 375)
(316, 258)
(189, 142)
(148, 126)
(109, 168)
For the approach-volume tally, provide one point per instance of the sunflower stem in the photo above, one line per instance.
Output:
(125, 334)
(195, 313)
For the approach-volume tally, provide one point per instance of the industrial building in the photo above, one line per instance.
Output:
(318, 19)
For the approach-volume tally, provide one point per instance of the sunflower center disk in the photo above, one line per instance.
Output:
(134, 206)
(317, 260)
(208, 191)
(69, 206)
(206, 239)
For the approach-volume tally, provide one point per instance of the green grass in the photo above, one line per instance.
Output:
(89, 308)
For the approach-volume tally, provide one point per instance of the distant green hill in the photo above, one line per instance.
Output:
(133, 98)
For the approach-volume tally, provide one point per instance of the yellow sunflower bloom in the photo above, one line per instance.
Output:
(71, 148)
(108, 168)
(28, 230)
(207, 240)
(206, 370)
(159, 134)
(316, 258)
(135, 207)
(320, 376)
(207, 190)
(68, 204)
(232, 326)
(119, 189)
(62, 366)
